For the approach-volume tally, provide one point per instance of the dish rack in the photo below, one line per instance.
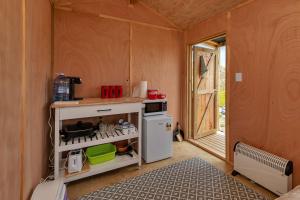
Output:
(110, 135)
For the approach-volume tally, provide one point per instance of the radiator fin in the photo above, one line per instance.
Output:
(261, 156)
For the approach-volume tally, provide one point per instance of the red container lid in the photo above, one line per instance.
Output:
(161, 96)
(152, 94)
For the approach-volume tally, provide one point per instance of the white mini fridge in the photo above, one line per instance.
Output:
(157, 138)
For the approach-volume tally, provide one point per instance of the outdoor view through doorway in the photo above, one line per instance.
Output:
(208, 95)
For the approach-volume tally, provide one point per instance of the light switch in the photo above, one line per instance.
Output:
(238, 77)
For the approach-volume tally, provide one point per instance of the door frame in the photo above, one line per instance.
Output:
(189, 102)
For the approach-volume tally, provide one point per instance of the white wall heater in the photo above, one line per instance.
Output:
(268, 170)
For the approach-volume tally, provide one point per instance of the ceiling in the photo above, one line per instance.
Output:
(180, 13)
(184, 13)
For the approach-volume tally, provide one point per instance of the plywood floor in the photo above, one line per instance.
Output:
(214, 143)
(182, 151)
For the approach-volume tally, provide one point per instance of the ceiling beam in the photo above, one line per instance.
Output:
(211, 43)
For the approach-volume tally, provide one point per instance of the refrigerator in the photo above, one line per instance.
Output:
(157, 138)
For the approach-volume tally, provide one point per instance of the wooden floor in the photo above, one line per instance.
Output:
(214, 143)
(182, 151)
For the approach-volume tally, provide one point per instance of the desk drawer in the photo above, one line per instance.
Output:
(98, 110)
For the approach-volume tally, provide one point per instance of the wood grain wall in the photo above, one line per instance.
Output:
(157, 58)
(25, 64)
(38, 76)
(95, 49)
(10, 89)
(113, 51)
(264, 44)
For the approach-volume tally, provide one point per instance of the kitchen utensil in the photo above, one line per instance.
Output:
(123, 149)
(152, 94)
(77, 130)
(178, 133)
(126, 151)
(161, 96)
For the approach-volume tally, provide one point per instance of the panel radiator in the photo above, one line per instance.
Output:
(266, 169)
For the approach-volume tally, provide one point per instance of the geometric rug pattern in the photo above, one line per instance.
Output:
(193, 179)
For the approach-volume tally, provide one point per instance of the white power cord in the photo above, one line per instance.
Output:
(51, 156)
(50, 177)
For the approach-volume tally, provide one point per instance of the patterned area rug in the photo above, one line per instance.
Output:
(189, 179)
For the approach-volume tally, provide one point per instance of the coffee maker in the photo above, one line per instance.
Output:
(73, 81)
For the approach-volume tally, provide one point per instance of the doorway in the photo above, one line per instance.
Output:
(208, 95)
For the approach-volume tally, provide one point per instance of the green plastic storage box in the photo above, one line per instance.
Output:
(101, 153)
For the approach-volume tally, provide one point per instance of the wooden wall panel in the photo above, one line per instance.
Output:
(38, 76)
(157, 58)
(213, 26)
(108, 51)
(93, 48)
(10, 103)
(263, 42)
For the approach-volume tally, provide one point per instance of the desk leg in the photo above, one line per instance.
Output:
(129, 120)
(140, 138)
(129, 117)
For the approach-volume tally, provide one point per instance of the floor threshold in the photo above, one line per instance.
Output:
(214, 144)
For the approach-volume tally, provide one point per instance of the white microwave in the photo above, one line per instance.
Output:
(155, 107)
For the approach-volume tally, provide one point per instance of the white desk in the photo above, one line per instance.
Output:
(94, 108)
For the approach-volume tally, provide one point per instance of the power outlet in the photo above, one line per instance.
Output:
(238, 77)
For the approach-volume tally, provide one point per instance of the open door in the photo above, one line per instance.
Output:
(205, 119)
(207, 95)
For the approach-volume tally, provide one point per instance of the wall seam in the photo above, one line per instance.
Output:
(23, 101)
(130, 59)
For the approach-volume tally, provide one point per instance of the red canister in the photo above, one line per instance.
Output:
(119, 91)
(104, 92)
(152, 94)
(112, 91)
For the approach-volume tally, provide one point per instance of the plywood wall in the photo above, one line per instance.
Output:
(113, 51)
(10, 89)
(95, 49)
(38, 76)
(265, 107)
(157, 58)
(25, 64)
(264, 44)
(211, 27)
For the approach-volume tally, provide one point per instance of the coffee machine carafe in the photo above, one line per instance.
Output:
(73, 82)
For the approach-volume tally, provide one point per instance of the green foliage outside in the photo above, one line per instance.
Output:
(221, 98)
